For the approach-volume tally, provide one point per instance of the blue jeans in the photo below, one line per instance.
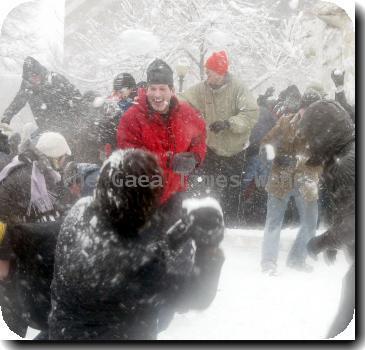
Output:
(276, 207)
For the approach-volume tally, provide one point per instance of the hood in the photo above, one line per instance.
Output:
(32, 66)
(328, 128)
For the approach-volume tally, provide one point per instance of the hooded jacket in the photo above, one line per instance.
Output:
(110, 284)
(330, 135)
(232, 102)
(183, 131)
(54, 102)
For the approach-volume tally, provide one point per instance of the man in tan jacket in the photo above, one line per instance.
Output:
(290, 176)
(230, 112)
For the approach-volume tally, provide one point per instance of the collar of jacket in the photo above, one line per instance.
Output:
(227, 80)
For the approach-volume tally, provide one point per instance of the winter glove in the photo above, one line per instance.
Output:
(219, 126)
(266, 153)
(330, 256)
(338, 77)
(205, 216)
(262, 99)
(183, 163)
(316, 245)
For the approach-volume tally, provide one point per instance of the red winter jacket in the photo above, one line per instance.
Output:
(184, 131)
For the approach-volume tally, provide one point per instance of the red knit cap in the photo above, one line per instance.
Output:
(218, 62)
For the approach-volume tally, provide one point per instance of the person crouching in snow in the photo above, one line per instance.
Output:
(29, 190)
(115, 269)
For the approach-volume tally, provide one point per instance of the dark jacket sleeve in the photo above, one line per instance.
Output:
(340, 97)
(18, 102)
(15, 195)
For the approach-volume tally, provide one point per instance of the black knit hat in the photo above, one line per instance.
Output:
(124, 80)
(159, 72)
(32, 66)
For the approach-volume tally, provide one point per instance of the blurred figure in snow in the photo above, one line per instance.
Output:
(54, 101)
(289, 176)
(335, 151)
(118, 274)
(230, 112)
(121, 99)
(29, 192)
(253, 199)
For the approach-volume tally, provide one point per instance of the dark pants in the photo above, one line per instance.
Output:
(222, 179)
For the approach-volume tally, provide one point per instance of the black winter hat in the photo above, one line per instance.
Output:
(327, 128)
(124, 80)
(159, 72)
(32, 66)
(289, 100)
(128, 205)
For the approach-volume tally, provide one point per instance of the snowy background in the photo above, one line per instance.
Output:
(270, 43)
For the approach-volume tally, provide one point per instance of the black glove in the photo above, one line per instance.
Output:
(183, 163)
(338, 77)
(315, 246)
(207, 226)
(262, 99)
(6, 119)
(330, 256)
(219, 126)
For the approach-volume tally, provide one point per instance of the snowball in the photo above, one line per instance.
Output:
(43, 106)
(337, 72)
(270, 152)
(139, 42)
(293, 4)
(192, 204)
(98, 101)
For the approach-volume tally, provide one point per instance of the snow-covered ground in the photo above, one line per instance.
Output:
(253, 306)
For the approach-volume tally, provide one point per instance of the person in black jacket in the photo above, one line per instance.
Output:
(335, 150)
(53, 100)
(121, 98)
(29, 189)
(118, 274)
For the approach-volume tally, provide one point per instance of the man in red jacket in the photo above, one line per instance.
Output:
(172, 130)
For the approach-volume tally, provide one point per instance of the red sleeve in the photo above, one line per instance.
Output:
(199, 143)
(129, 132)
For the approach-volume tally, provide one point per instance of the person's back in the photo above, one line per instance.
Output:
(113, 271)
(95, 300)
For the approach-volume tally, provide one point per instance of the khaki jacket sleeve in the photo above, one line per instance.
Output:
(244, 121)
(194, 97)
